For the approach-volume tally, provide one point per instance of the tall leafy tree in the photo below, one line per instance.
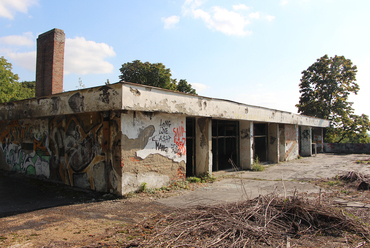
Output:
(153, 74)
(325, 87)
(10, 88)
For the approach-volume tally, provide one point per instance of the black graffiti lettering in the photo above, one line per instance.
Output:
(160, 147)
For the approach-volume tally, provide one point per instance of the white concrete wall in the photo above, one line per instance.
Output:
(291, 142)
(246, 144)
(144, 98)
(153, 149)
(306, 141)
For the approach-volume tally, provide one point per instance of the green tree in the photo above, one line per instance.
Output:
(155, 74)
(10, 88)
(325, 87)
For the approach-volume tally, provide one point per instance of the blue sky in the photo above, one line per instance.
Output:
(249, 51)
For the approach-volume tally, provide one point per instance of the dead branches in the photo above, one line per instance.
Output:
(263, 220)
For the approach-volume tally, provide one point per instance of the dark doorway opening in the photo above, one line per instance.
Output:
(260, 141)
(225, 144)
(190, 147)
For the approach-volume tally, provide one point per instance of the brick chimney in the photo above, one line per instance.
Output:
(50, 62)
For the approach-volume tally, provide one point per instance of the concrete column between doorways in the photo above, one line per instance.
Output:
(306, 141)
(273, 143)
(246, 144)
(203, 145)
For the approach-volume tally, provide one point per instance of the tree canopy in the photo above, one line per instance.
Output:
(325, 87)
(10, 88)
(155, 74)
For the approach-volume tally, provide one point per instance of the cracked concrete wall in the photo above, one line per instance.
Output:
(246, 144)
(306, 141)
(291, 142)
(145, 98)
(153, 149)
(203, 145)
(103, 98)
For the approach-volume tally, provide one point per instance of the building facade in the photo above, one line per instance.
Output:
(115, 137)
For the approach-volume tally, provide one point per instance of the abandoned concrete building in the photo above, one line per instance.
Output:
(114, 137)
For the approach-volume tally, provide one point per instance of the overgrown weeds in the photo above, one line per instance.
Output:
(256, 166)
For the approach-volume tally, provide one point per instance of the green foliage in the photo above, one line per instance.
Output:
(207, 178)
(193, 179)
(10, 88)
(325, 87)
(143, 187)
(256, 166)
(155, 74)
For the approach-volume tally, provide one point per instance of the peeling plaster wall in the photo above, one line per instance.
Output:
(24, 147)
(145, 98)
(104, 98)
(306, 141)
(153, 149)
(291, 142)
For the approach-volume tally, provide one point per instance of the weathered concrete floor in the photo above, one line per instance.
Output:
(284, 178)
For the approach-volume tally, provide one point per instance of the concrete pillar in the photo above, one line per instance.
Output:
(281, 142)
(246, 144)
(306, 141)
(203, 145)
(273, 143)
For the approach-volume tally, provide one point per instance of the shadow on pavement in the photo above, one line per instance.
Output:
(21, 194)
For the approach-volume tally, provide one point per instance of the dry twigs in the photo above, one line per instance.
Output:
(362, 181)
(263, 220)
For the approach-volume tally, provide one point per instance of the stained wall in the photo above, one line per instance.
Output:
(153, 149)
(74, 149)
(291, 142)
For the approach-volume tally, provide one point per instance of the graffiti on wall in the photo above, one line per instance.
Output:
(168, 136)
(76, 146)
(25, 146)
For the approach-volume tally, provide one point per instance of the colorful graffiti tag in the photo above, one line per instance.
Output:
(179, 140)
(25, 147)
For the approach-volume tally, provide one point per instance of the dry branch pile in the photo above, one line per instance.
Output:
(362, 181)
(263, 220)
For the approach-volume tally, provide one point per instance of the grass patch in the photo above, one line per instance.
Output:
(256, 166)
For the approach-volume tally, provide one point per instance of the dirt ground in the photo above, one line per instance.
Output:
(75, 218)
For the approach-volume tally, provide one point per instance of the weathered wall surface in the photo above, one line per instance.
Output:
(80, 148)
(246, 144)
(273, 143)
(346, 148)
(153, 149)
(291, 142)
(306, 141)
(24, 146)
(74, 149)
(104, 98)
(144, 98)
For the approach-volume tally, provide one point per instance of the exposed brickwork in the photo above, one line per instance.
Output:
(50, 63)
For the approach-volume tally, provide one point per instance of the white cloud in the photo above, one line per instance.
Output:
(170, 22)
(221, 19)
(199, 87)
(283, 2)
(255, 15)
(270, 18)
(26, 39)
(8, 8)
(25, 60)
(240, 7)
(230, 22)
(87, 57)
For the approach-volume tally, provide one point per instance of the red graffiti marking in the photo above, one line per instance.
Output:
(180, 140)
